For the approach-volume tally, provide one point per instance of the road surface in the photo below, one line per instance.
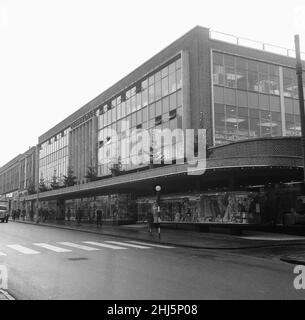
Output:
(52, 263)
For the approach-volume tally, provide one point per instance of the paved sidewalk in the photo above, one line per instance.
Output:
(297, 259)
(190, 239)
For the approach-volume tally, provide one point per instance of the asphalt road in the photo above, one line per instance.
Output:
(50, 263)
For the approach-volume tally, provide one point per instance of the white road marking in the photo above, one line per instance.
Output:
(7, 295)
(104, 245)
(78, 246)
(128, 245)
(22, 249)
(151, 244)
(2, 254)
(52, 248)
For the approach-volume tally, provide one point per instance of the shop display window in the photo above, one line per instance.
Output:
(234, 207)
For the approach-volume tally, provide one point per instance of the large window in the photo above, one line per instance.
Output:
(247, 100)
(53, 158)
(155, 102)
(234, 207)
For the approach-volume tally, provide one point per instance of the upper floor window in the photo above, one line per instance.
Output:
(245, 74)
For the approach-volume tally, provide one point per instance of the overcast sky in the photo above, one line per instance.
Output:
(55, 56)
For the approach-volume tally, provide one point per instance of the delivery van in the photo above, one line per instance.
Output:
(4, 211)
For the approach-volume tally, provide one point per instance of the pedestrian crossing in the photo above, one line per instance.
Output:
(68, 247)
(79, 246)
(128, 245)
(51, 247)
(151, 245)
(22, 249)
(104, 245)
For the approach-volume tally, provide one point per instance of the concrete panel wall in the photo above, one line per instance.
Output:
(83, 148)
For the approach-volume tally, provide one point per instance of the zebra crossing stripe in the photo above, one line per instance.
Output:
(151, 244)
(52, 248)
(78, 246)
(115, 245)
(104, 245)
(22, 249)
(128, 244)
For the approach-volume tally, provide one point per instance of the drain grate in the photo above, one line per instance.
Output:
(77, 259)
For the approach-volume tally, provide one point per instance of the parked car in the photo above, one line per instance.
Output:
(4, 214)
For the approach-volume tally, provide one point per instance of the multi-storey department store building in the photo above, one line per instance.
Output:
(17, 179)
(246, 98)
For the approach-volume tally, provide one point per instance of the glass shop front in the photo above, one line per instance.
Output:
(231, 207)
(115, 208)
(266, 206)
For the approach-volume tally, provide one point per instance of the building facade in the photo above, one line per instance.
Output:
(18, 179)
(245, 99)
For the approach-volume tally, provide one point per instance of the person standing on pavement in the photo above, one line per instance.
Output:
(79, 215)
(99, 215)
(158, 224)
(23, 214)
(31, 214)
(115, 215)
(69, 214)
(150, 221)
(39, 216)
(90, 215)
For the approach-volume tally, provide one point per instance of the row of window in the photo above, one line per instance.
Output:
(239, 123)
(170, 101)
(122, 147)
(156, 103)
(254, 100)
(9, 180)
(247, 100)
(159, 121)
(58, 168)
(146, 102)
(53, 145)
(245, 74)
(55, 163)
(138, 158)
(55, 156)
(163, 106)
(160, 83)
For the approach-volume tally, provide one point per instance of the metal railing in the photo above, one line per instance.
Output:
(254, 44)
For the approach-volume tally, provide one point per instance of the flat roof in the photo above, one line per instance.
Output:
(15, 160)
(237, 45)
(124, 83)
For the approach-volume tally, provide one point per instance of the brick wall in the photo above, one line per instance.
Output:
(283, 146)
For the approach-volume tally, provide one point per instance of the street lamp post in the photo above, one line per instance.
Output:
(37, 183)
(158, 190)
(299, 71)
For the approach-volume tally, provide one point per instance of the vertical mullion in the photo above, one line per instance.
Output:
(282, 101)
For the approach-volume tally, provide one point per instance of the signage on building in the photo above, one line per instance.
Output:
(83, 119)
